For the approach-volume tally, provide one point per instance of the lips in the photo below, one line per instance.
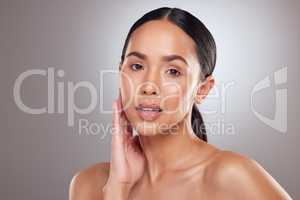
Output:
(154, 106)
(149, 111)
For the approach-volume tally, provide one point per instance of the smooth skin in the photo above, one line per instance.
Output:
(158, 164)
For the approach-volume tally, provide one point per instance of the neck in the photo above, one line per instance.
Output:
(169, 152)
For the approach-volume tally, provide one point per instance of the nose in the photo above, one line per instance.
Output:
(152, 81)
(149, 88)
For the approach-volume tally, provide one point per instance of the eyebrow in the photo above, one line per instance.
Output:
(167, 58)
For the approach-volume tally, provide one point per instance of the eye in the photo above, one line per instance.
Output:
(174, 72)
(135, 66)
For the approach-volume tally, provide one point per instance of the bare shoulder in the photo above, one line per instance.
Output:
(88, 183)
(242, 177)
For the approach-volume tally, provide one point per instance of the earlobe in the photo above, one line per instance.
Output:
(199, 94)
(211, 81)
(199, 99)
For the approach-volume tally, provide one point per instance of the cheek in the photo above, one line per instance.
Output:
(174, 101)
(127, 88)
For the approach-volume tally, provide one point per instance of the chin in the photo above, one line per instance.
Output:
(145, 128)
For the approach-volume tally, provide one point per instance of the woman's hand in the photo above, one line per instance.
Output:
(127, 159)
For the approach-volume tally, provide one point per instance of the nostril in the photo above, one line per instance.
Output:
(145, 92)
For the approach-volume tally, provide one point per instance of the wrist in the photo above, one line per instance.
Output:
(116, 191)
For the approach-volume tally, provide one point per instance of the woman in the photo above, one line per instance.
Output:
(165, 70)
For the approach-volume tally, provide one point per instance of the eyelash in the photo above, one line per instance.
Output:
(133, 65)
(178, 72)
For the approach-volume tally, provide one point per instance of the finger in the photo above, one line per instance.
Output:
(120, 125)
(116, 129)
(128, 127)
(117, 149)
(124, 123)
(116, 119)
(117, 144)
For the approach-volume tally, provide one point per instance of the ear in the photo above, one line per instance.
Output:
(204, 88)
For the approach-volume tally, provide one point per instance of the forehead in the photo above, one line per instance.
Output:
(161, 37)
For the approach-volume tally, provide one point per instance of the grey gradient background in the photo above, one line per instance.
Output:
(40, 153)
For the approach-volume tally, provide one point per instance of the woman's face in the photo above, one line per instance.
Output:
(160, 69)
